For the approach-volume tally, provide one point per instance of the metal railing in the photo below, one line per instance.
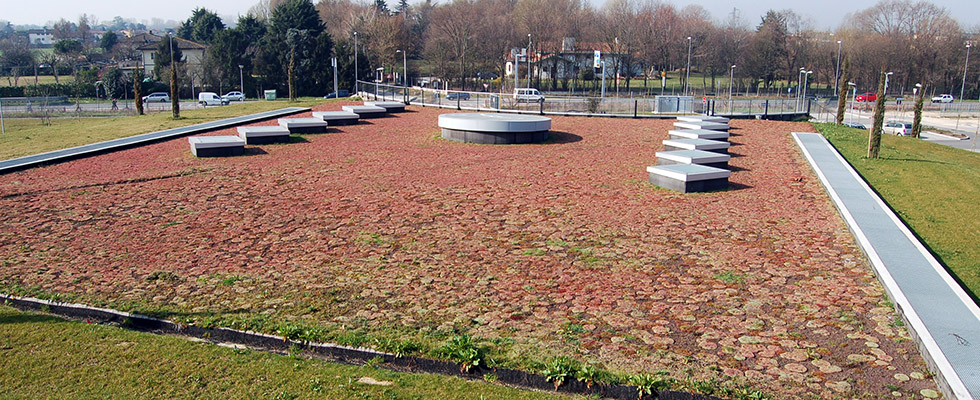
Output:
(639, 107)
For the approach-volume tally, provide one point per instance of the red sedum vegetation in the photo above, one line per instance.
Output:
(562, 247)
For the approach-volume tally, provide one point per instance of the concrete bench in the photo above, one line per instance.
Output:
(390, 106)
(367, 112)
(217, 146)
(699, 157)
(689, 178)
(697, 144)
(702, 118)
(714, 126)
(489, 128)
(698, 134)
(303, 125)
(334, 118)
(263, 134)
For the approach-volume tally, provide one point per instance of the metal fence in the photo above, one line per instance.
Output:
(654, 106)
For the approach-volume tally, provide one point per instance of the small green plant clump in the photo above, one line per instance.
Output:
(463, 350)
(648, 384)
(560, 369)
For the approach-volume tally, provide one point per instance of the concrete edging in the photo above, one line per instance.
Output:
(947, 379)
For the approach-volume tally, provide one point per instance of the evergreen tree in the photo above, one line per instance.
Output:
(381, 7)
(874, 139)
(842, 95)
(202, 27)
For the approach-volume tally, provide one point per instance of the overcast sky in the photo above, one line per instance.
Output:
(827, 14)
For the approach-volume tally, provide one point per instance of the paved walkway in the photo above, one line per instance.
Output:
(941, 316)
(56, 156)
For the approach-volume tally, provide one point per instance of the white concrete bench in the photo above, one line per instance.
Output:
(217, 146)
(263, 134)
(366, 112)
(698, 134)
(714, 126)
(699, 157)
(490, 128)
(303, 125)
(697, 144)
(333, 118)
(390, 106)
(702, 118)
(688, 178)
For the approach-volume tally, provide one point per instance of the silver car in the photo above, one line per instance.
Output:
(898, 128)
(161, 97)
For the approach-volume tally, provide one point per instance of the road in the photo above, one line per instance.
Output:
(965, 124)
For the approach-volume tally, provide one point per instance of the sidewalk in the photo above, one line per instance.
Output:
(56, 156)
(942, 318)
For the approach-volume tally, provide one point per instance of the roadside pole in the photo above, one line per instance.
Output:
(3, 129)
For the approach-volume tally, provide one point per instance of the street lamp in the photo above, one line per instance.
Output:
(404, 67)
(966, 65)
(887, 75)
(241, 80)
(854, 92)
(687, 80)
(806, 77)
(837, 71)
(799, 88)
(355, 63)
(528, 60)
(175, 100)
(731, 78)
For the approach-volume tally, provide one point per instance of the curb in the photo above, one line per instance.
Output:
(330, 352)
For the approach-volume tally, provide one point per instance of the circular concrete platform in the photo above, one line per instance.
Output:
(487, 128)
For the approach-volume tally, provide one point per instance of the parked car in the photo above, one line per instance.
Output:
(458, 95)
(870, 96)
(234, 96)
(943, 98)
(157, 97)
(528, 95)
(898, 128)
(855, 125)
(211, 99)
(336, 95)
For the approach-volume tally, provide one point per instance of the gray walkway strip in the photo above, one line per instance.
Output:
(941, 316)
(56, 156)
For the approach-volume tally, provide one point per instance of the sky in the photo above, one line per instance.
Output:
(826, 14)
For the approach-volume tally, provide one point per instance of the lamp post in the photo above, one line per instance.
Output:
(404, 68)
(799, 88)
(887, 75)
(355, 63)
(837, 71)
(966, 65)
(241, 80)
(528, 60)
(174, 91)
(687, 79)
(854, 92)
(731, 78)
(806, 77)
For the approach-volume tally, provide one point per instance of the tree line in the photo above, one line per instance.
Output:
(463, 41)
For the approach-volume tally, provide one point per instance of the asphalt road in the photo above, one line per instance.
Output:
(965, 124)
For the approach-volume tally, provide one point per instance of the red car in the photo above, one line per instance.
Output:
(867, 97)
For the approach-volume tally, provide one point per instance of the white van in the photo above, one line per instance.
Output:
(528, 95)
(210, 99)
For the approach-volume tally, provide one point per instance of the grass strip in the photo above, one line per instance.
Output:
(49, 357)
(933, 189)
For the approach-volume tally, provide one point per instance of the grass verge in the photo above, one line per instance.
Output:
(932, 187)
(27, 136)
(48, 357)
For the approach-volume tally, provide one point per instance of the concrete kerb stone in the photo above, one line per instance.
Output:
(216, 146)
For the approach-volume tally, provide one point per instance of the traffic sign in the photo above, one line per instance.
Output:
(597, 59)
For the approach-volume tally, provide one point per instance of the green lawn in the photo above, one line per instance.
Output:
(26, 136)
(935, 189)
(48, 357)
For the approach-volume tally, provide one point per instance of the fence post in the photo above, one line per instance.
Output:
(457, 102)
(636, 103)
(541, 107)
(766, 112)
